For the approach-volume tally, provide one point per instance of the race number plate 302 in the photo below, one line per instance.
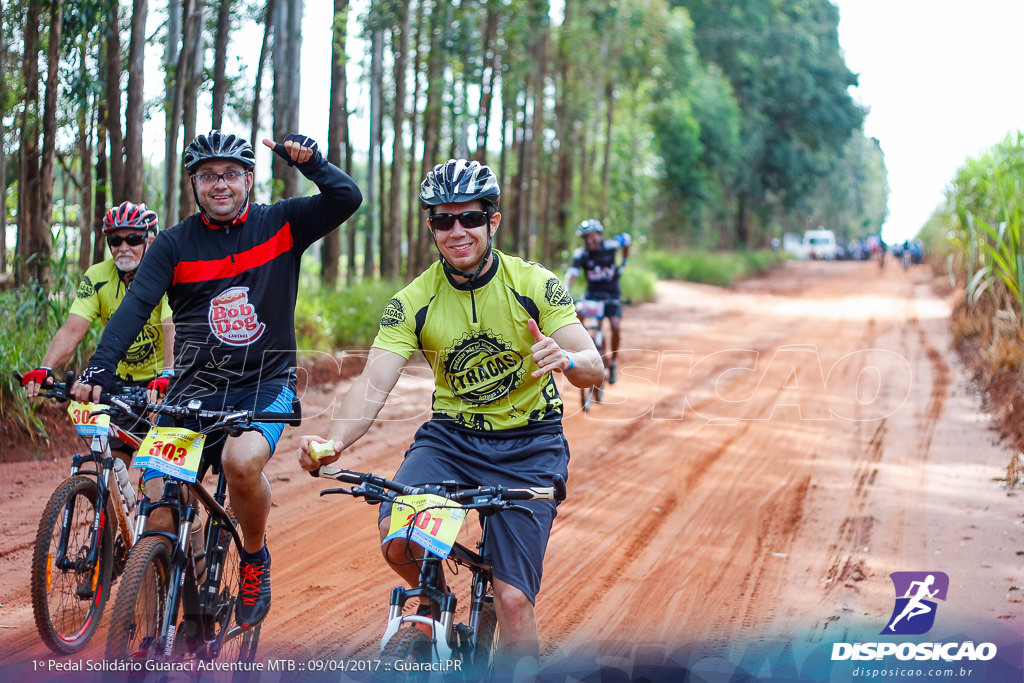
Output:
(87, 421)
(174, 451)
(430, 521)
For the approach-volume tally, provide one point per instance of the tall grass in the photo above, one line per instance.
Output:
(986, 234)
(326, 320)
(31, 317)
(711, 268)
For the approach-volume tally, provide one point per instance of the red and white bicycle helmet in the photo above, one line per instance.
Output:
(130, 216)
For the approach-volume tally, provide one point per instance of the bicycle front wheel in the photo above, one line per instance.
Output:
(71, 566)
(135, 624)
(408, 647)
(486, 638)
(232, 642)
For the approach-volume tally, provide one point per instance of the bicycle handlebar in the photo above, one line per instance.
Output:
(130, 399)
(380, 489)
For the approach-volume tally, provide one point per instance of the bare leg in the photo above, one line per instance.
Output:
(517, 623)
(249, 491)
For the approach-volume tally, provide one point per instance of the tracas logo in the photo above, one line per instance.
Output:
(233, 319)
(916, 593)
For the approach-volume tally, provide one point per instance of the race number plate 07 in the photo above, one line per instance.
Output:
(430, 521)
(174, 451)
(86, 420)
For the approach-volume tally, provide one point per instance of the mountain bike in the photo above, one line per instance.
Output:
(77, 551)
(177, 601)
(431, 517)
(591, 312)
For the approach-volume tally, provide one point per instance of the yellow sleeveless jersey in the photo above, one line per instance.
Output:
(98, 295)
(477, 341)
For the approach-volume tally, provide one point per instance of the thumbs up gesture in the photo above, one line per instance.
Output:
(547, 354)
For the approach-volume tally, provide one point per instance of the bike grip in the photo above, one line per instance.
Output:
(559, 481)
(293, 419)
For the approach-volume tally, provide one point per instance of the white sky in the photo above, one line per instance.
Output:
(941, 79)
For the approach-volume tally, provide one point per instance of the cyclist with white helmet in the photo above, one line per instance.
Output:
(128, 229)
(231, 274)
(596, 260)
(494, 329)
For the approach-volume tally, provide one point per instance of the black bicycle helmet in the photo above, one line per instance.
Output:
(459, 180)
(588, 226)
(131, 216)
(218, 145)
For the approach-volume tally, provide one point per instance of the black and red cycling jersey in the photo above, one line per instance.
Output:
(232, 289)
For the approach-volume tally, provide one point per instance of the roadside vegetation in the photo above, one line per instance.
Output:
(977, 237)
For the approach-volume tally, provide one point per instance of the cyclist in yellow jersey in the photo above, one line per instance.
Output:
(129, 229)
(493, 328)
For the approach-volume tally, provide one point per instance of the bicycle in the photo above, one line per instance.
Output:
(165, 574)
(435, 516)
(591, 312)
(77, 553)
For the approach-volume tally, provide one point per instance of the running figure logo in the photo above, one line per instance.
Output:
(914, 612)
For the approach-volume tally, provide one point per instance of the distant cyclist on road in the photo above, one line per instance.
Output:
(494, 329)
(231, 274)
(129, 229)
(596, 260)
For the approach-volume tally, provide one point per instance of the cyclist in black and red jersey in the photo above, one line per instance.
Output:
(231, 274)
(596, 260)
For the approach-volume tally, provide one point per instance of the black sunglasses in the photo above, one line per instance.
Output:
(133, 240)
(469, 219)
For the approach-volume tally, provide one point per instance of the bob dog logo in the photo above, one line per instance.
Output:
(233, 319)
(482, 368)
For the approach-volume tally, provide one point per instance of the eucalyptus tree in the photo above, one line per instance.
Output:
(339, 147)
(287, 76)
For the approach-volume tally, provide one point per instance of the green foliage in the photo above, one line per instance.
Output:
(712, 268)
(32, 316)
(341, 321)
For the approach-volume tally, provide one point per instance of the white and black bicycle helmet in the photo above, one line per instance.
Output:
(218, 145)
(459, 180)
(588, 226)
(455, 181)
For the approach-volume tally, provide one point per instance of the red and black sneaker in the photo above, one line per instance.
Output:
(253, 591)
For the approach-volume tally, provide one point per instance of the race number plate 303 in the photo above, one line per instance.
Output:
(86, 420)
(430, 521)
(174, 451)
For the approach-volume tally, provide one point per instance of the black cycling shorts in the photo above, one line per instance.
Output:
(516, 542)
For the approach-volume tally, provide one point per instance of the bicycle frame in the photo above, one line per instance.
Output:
(430, 572)
(184, 586)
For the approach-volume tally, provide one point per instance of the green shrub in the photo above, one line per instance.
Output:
(338, 321)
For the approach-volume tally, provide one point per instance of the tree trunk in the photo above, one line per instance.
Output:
(287, 70)
(337, 139)
(563, 198)
(488, 77)
(100, 202)
(85, 214)
(412, 220)
(113, 97)
(135, 107)
(3, 157)
(174, 93)
(393, 259)
(49, 133)
(29, 247)
(373, 154)
(191, 70)
(268, 32)
(220, 64)
(439, 20)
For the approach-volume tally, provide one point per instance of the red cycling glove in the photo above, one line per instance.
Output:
(39, 376)
(161, 383)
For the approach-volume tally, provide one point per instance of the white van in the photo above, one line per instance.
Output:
(820, 244)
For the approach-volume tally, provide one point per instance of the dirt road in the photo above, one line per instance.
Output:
(769, 456)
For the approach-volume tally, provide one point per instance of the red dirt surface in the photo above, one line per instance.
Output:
(769, 455)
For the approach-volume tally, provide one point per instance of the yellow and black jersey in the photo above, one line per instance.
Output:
(477, 341)
(98, 295)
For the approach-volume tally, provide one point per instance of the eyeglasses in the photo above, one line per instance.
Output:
(133, 240)
(212, 178)
(469, 219)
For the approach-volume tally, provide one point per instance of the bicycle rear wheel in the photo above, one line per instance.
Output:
(141, 603)
(68, 590)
